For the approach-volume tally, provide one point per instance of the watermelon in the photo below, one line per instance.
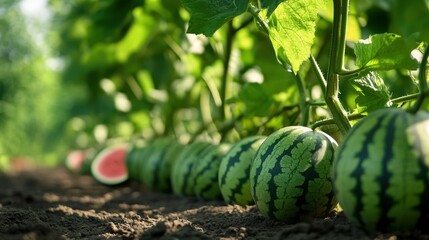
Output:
(206, 170)
(155, 174)
(381, 171)
(290, 176)
(74, 160)
(109, 166)
(234, 170)
(182, 181)
(132, 160)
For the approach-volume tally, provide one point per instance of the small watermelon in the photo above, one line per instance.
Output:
(74, 160)
(381, 171)
(182, 181)
(109, 166)
(290, 176)
(132, 161)
(206, 172)
(234, 171)
(151, 168)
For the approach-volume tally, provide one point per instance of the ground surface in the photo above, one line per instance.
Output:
(54, 204)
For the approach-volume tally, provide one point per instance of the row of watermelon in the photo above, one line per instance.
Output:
(379, 174)
(289, 179)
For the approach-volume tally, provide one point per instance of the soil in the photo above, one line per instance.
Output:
(51, 203)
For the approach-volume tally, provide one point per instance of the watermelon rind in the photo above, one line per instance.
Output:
(100, 157)
(234, 171)
(290, 176)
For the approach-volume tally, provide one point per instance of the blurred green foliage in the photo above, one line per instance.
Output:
(129, 70)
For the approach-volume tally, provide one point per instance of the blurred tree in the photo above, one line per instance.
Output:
(31, 117)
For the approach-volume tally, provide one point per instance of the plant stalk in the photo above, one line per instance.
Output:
(336, 64)
(423, 84)
(303, 100)
(227, 57)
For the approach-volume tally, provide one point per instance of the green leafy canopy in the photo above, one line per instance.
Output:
(207, 16)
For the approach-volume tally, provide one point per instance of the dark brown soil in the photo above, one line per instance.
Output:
(54, 204)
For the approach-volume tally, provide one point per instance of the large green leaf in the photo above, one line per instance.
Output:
(373, 93)
(384, 52)
(207, 16)
(291, 28)
(410, 18)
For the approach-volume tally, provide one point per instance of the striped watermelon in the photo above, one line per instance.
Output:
(234, 171)
(206, 172)
(132, 161)
(182, 181)
(290, 176)
(381, 171)
(155, 174)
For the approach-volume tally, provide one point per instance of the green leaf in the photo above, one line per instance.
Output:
(256, 99)
(372, 93)
(207, 16)
(270, 4)
(410, 18)
(291, 28)
(385, 52)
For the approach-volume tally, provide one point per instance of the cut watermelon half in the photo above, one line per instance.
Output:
(109, 166)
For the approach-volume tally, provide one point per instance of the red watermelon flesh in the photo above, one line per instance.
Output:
(109, 167)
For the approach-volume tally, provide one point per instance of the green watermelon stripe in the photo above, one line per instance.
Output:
(234, 160)
(359, 172)
(208, 167)
(311, 174)
(277, 169)
(158, 168)
(265, 153)
(187, 177)
(386, 201)
(423, 207)
(206, 189)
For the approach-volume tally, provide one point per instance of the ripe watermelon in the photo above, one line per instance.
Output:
(182, 181)
(381, 171)
(206, 170)
(155, 174)
(290, 176)
(132, 161)
(234, 171)
(109, 166)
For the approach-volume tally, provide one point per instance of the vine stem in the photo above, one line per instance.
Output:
(254, 11)
(331, 121)
(305, 110)
(424, 89)
(336, 65)
(227, 57)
